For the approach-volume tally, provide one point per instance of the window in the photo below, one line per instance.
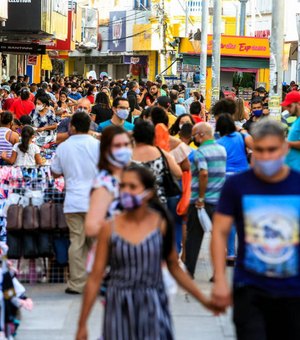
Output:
(141, 4)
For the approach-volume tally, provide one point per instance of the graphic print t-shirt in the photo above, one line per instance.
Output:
(267, 217)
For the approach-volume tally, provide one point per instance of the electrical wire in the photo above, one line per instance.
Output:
(133, 35)
(133, 19)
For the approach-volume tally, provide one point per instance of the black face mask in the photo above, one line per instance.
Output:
(195, 142)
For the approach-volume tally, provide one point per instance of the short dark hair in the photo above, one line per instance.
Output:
(73, 85)
(225, 124)
(25, 120)
(117, 101)
(81, 121)
(257, 100)
(144, 132)
(106, 142)
(158, 115)
(267, 127)
(6, 117)
(44, 99)
(224, 106)
(24, 93)
(132, 84)
(195, 108)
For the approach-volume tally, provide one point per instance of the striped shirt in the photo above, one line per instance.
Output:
(5, 145)
(210, 156)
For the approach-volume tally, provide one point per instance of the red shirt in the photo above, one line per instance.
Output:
(7, 103)
(91, 98)
(22, 107)
(197, 119)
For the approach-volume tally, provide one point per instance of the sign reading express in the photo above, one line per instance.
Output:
(232, 46)
(22, 48)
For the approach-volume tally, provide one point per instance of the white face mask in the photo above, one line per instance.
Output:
(39, 107)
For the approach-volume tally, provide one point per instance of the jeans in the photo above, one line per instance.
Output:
(231, 242)
(194, 236)
(172, 205)
(258, 316)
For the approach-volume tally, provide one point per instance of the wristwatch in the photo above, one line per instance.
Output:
(200, 199)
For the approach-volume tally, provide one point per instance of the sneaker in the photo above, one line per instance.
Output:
(72, 292)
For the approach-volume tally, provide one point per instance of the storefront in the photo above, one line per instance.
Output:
(244, 63)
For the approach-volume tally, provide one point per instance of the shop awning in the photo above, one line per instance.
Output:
(247, 63)
(46, 63)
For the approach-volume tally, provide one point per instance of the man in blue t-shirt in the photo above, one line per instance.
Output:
(74, 94)
(120, 110)
(292, 103)
(264, 204)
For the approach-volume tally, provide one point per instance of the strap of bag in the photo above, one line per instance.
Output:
(166, 164)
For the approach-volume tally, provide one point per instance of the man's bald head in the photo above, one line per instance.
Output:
(84, 104)
(203, 129)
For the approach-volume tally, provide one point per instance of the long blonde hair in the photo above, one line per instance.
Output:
(239, 114)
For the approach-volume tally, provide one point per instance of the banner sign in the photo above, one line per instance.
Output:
(22, 48)
(233, 46)
(117, 31)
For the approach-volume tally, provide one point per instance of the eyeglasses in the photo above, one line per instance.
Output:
(82, 108)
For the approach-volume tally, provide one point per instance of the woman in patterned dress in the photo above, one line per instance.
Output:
(135, 243)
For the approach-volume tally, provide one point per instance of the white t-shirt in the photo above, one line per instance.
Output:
(77, 159)
(27, 158)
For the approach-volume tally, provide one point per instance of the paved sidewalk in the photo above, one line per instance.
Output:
(55, 314)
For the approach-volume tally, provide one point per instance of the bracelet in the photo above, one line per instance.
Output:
(200, 199)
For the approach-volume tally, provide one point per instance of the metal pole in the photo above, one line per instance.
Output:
(186, 18)
(163, 37)
(276, 58)
(298, 60)
(216, 58)
(243, 17)
(203, 55)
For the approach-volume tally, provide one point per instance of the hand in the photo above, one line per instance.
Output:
(214, 309)
(199, 205)
(221, 295)
(40, 129)
(27, 304)
(3, 154)
(82, 333)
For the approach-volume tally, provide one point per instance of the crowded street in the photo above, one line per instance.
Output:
(149, 170)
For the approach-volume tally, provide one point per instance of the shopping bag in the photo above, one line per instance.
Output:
(204, 220)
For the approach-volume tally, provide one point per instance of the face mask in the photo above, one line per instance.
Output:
(74, 92)
(39, 107)
(131, 202)
(269, 168)
(120, 157)
(180, 126)
(180, 100)
(123, 114)
(195, 142)
(137, 91)
(257, 113)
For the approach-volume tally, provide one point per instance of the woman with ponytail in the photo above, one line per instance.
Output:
(25, 153)
(135, 243)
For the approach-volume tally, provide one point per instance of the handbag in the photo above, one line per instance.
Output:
(60, 217)
(48, 216)
(204, 220)
(14, 243)
(170, 185)
(15, 216)
(45, 245)
(31, 217)
(30, 249)
(61, 247)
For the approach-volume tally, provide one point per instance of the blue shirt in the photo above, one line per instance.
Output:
(236, 152)
(75, 96)
(180, 109)
(126, 126)
(293, 157)
(210, 156)
(267, 219)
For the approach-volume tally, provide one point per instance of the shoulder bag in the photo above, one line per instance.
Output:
(170, 185)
